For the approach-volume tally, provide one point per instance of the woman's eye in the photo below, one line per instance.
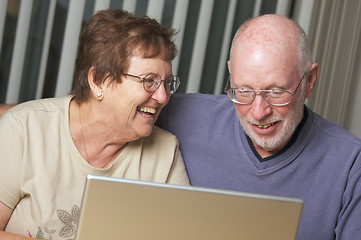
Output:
(149, 80)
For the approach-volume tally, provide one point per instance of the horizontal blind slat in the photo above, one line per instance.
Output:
(129, 5)
(179, 22)
(101, 5)
(45, 50)
(3, 7)
(155, 9)
(68, 54)
(218, 89)
(17, 63)
(199, 50)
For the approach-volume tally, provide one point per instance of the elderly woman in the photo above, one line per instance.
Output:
(123, 80)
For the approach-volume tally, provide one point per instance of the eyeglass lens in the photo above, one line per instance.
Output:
(277, 98)
(152, 82)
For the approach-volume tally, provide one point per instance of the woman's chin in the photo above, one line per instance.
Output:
(145, 131)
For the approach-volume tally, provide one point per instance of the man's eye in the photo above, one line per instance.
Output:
(244, 92)
(276, 94)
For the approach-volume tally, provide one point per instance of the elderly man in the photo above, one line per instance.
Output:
(263, 139)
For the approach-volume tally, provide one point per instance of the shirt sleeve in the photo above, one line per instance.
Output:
(349, 224)
(178, 174)
(11, 149)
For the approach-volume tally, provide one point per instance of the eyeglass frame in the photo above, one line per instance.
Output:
(175, 79)
(263, 92)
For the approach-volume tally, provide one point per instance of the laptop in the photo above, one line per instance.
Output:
(115, 208)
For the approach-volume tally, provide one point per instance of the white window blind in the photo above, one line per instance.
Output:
(53, 72)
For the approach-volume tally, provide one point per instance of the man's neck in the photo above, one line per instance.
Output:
(264, 152)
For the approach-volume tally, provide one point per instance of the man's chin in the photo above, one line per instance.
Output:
(269, 144)
(266, 145)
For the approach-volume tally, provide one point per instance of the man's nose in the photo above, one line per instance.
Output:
(260, 107)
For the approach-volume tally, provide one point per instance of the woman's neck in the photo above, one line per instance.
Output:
(95, 141)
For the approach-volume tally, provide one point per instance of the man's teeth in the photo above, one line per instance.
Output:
(147, 110)
(265, 126)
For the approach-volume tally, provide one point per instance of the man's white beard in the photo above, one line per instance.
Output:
(290, 123)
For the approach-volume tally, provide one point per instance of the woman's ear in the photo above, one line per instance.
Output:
(311, 79)
(96, 90)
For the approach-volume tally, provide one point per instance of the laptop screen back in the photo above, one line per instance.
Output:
(124, 209)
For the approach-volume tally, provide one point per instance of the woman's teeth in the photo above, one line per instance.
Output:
(147, 110)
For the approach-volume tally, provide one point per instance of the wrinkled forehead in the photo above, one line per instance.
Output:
(273, 39)
(271, 31)
(147, 53)
(257, 57)
(263, 66)
(261, 48)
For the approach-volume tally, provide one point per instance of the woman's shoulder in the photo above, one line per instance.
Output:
(160, 138)
(161, 133)
(41, 105)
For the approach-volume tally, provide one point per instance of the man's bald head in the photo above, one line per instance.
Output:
(277, 33)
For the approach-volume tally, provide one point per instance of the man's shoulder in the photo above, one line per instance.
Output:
(190, 112)
(199, 97)
(199, 102)
(334, 131)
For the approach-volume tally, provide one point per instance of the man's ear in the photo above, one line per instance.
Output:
(229, 66)
(311, 79)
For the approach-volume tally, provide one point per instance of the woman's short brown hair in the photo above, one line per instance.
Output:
(107, 41)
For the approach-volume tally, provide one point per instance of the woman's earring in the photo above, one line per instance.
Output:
(99, 96)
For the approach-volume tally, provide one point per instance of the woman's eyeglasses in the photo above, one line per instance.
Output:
(152, 81)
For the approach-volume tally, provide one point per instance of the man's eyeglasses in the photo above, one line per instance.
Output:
(274, 97)
(152, 81)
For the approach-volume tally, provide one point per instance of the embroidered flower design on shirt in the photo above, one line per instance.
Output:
(40, 234)
(70, 221)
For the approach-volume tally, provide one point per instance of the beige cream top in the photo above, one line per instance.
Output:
(42, 174)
